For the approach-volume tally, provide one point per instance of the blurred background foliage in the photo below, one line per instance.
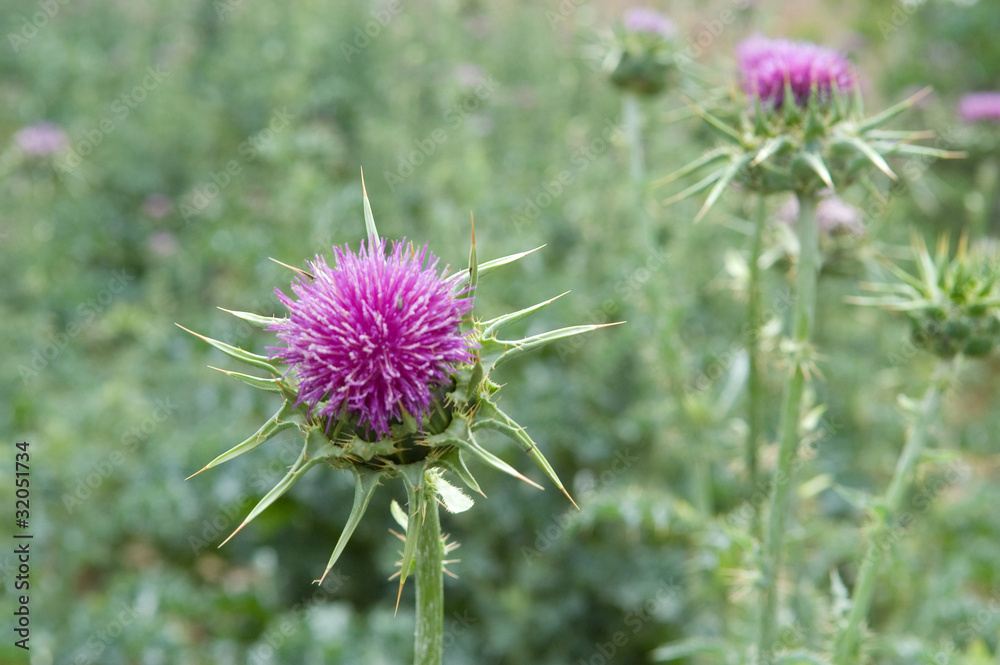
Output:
(219, 133)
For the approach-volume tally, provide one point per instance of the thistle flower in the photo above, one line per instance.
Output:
(375, 335)
(953, 303)
(980, 106)
(770, 66)
(41, 139)
(803, 130)
(390, 378)
(640, 57)
(641, 19)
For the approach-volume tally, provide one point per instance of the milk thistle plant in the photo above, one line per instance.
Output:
(954, 308)
(387, 374)
(798, 127)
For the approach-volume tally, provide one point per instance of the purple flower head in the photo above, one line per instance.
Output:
(640, 19)
(766, 65)
(980, 106)
(41, 139)
(373, 335)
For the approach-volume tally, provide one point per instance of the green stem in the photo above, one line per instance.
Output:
(802, 324)
(845, 650)
(755, 391)
(430, 582)
(632, 125)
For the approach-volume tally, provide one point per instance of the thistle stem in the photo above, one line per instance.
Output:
(845, 650)
(802, 324)
(754, 389)
(632, 125)
(429, 632)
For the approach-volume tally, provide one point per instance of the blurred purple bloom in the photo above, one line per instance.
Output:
(157, 206)
(833, 214)
(640, 19)
(766, 65)
(980, 106)
(41, 139)
(374, 334)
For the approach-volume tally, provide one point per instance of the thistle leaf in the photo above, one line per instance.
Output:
(727, 177)
(274, 425)
(413, 478)
(818, 166)
(891, 112)
(868, 151)
(706, 159)
(252, 359)
(518, 348)
(493, 326)
(453, 499)
(270, 385)
(365, 482)
(453, 461)
(256, 319)
(370, 229)
(297, 470)
(507, 426)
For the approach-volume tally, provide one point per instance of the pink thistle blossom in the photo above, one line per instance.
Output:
(767, 64)
(375, 335)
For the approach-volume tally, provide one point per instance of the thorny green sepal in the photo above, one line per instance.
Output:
(268, 430)
(269, 385)
(252, 359)
(369, 217)
(517, 348)
(255, 319)
(365, 482)
(493, 326)
(461, 278)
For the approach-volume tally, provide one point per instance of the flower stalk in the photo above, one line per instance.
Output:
(754, 388)
(802, 324)
(429, 575)
(846, 647)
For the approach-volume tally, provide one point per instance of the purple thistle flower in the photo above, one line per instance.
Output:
(980, 106)
(640, 19)
(41, 139)
(766, 65)
(375, 334)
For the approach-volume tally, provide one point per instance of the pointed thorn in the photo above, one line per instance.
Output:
(292, 268)
(570, 498)
(204, 468)
(472, 221)
(399, 594)
(238, 529)
(320, 580)
(364, 191)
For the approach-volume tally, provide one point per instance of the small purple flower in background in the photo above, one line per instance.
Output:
(157, 206)
(374, 334)
(767, 64)
(640, 19)
(979, 106)
(41, 139)
(833, 214)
